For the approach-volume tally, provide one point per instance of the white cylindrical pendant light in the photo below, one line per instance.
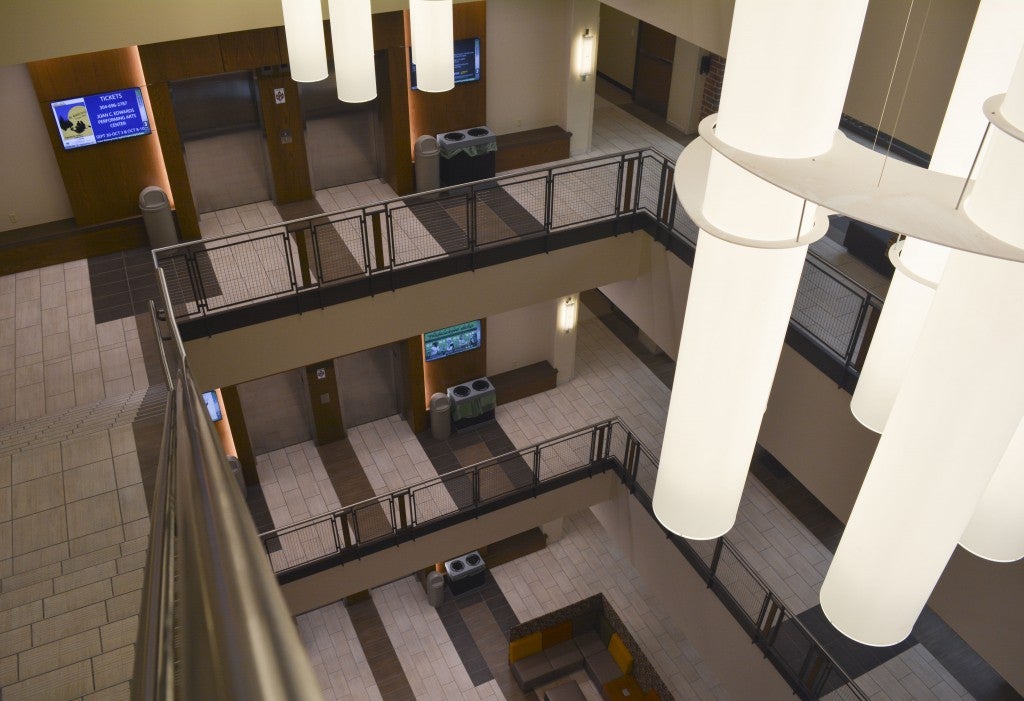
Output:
(430, 26)
(961, 401)
(784, 87)
(996, 531)
(994, 44)
(304, 32)
(352, 40)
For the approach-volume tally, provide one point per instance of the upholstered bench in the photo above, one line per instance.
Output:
(570, 691)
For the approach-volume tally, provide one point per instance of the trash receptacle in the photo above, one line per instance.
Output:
(428, 174)
(236, 472)
(435, 589)
(156, 214)
(440, 416)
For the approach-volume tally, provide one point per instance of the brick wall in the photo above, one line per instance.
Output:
(712, 86)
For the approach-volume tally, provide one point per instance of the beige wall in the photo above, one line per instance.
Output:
(687, 88)
(705, 23)
(31, 189)
(809, 428)
(918, 99)
(525, 48)
(365, 323)
(520, 337)
(693, 608)
(616, 52)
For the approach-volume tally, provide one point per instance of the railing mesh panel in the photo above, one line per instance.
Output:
(584, 195)
(305, 544)
(564, 456)
(826, 308)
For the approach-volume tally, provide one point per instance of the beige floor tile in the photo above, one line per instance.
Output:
(93, 514)
(35, 462)
(113, 667)
(28, 375)
(37, 495)
(57, 375)
(57, 346)
(126, 469)
(89, 386)
(64, 683)
(100, 540)
(27, 314)
(89, 480)
(59, 653)
(30, 402)
(85, 450)
(77, 598)
(28, 340)
(133, 502)
(75, 621)
(40, 530)
(55, 320)
(119, 633)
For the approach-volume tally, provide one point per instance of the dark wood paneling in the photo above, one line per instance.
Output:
(323, 399)
(174, 161)
(413, 357)
(531, 147)
(185, 58)
(255, 48)
(465, 105)
(439, 375)
(286, 139)
(239, 433)
(655, 52)
(74, 245)
(524, 382)
(102, 181)
(393, 99)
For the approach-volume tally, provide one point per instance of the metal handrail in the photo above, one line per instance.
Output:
(213, 622)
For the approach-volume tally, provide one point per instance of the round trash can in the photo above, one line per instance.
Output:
(156, 214)
(440, 416)
(236, 472)
(435, 589)
(428, 174)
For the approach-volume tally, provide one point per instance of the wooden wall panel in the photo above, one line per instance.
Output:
(465, 105)
(103, 181)
(286, 139)
(393, 98)
(416, 409)
(252, 49)
(177, 60)
(239, 433)
(174, 161)
(325, 403)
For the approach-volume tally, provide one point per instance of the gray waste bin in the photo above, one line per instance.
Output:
(156, 214)
(428, 174)
(236, 472)
(435, 589)
(440, 416)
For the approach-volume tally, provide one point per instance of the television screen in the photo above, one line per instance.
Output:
(467, 62)
(449, 341)
(93, 119)
(212, 405)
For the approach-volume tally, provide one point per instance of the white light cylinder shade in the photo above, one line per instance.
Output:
(784, 88)
(430, 26)
(986, 69)
(961, 401)
(352, 40)
(996, 531)
(304, 32)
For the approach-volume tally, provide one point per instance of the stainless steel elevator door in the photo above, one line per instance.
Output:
(369, 384)
(341, 141)
(276, 410)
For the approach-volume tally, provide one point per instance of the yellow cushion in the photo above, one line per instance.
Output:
(620, 654)
(524, 647)
(652, 695)
(556, 634)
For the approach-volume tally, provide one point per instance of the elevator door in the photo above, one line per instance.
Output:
(655, 52)
(369, 384)
(341, 141)
(225, 149)
(276, 411)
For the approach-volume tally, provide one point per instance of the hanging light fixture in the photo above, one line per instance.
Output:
(952, 420)
(996, 531)
(352, 41)
(784, 88)
(988, 61)
(430, 26)
(304, 32)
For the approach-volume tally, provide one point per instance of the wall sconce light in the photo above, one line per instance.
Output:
(567, 315)
(585, 62)
(304, 32)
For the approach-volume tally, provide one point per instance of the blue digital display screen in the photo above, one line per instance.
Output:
(451, 340)
(93, 119)
(467, 62)
(212, 405)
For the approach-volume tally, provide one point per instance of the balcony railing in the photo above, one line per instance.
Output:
(372, 243)
(386, 520)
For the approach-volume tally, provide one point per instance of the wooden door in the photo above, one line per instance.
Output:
(655, 49)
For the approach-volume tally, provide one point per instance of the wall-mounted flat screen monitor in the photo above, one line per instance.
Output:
(467, 62)
(108, 116)
(451, 340)
(212, 405)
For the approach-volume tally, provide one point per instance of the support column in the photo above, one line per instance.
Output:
(579, 93)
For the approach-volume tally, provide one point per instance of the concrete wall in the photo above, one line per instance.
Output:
(31, 189)
(616, 54)
(714, 633)
(520, 337)
(525, 47)
(924, 75)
